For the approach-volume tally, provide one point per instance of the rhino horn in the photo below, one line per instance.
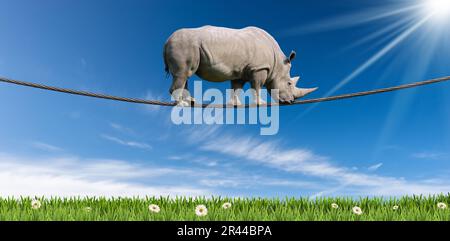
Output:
(300, 92)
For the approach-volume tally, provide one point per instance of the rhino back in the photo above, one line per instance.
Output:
(227, 53)
(235, 50)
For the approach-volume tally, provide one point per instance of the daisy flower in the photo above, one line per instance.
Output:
(395, 207)
(334, 205)
(226, 205)
(154, 208)
(87, 209)
(201, 210)
(357, 210)
(442, 205)
(35, 204)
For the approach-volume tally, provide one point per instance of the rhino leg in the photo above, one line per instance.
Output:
(186, 94)
(237, 86)
(178, 90)
(182, 62)
(257, 81)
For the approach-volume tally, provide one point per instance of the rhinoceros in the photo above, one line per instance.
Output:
(219, 54)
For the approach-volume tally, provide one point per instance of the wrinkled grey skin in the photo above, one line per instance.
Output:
(220, 54)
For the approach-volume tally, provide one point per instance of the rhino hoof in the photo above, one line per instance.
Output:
(234, 102)
(183, 103)
(260, 102)
(190, 100)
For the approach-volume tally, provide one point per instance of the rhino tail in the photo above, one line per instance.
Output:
(167, 71)
(166, 66)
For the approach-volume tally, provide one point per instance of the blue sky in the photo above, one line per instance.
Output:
(388, 144)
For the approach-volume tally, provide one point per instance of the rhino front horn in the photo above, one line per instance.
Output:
(300, 92)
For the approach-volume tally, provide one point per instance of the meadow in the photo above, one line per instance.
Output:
(181, 208)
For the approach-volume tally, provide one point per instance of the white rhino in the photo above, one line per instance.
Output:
(220, 54)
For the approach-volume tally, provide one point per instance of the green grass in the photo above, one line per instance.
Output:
(410, 208)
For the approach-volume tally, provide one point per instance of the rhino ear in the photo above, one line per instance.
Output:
(291, 57)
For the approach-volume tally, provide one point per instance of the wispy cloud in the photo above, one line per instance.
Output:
(74, 114)
(46, 147)
(119, 141)
(205, 161)
(76, 176)
(152, 96)
(122, 129)
(430, 155)
(197, 159)
(245, 181)
(199, 133)
(375, 167)
(178, 157)
(83, 63)
(73, 176)
(328, 191)
(306, 162)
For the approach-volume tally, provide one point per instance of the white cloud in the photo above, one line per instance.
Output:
(308, 163)
(205, 161)
(200, 133)
(46, 146)
(430, 155)
(140, 145)
(122, 128)
(74, 114)
(218, 182)
(83, 63)
(178, 157)
(243, 181)
(375, 167)
(151, 96)
(328, 191)
(77, 177)
(12, 184)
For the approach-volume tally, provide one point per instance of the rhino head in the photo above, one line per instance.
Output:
(287, 85)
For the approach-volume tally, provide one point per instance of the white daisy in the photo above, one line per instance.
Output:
(87, 209)
(395, 207)
(226, 205)
(35, 204)
(442, 205)
(357, 210)
(201, 210)
(154, 208)
(334, 205)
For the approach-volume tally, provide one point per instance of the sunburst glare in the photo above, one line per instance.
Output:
(417, 16)
(440, 9)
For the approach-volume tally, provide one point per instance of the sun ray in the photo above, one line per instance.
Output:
(377, 56)
(386, 38)
(350, 20)
(401, 102)
(394, 28)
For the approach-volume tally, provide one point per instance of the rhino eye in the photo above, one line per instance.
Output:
(289, 83)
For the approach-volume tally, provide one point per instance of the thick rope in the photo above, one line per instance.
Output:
(162, 103)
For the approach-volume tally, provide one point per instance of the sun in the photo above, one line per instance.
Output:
(438, 8)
